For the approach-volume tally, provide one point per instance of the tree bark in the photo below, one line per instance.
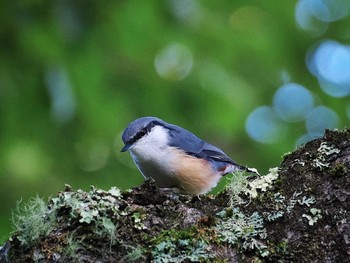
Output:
(299, 212)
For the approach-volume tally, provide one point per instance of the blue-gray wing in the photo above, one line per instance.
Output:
(195, 146)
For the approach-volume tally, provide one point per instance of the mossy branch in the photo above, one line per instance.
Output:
(297, 212)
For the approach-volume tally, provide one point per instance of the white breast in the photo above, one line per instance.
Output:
(153, 157)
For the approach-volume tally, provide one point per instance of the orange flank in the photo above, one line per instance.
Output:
(195, 175)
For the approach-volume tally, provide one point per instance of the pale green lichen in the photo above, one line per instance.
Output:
(240, 184)
(94, 208)
(307, 201)
(314, 217)
(70, 251)
(327, 150)
(282, 206)
(32, 220)
(285, 154)
(180, 246)
(298, 162)
(236, 186)
(87, 206)
(274, 216)
(279, 198)
(180, 251)
(105, 227)
(138, 217)
(288, 207)
(247, 232)
(262, 183)
(293, 201)
(323, 151)
(114, 191)
(135, 254)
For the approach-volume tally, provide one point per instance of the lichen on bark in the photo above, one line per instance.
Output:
(297, 213)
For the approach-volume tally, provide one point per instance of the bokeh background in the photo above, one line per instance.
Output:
(256, 78)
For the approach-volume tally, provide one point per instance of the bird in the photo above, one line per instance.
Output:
(176, 158)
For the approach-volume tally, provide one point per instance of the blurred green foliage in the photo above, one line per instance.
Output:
(73, 74)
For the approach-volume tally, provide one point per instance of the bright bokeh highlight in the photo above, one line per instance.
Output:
(315, 15)
(321, 118)
(330, 63)
(174, 62)
(292, 102)
(264, 126)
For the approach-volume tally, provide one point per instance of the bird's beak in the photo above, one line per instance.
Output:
(126, 147)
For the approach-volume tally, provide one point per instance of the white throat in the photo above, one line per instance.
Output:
(152, 145)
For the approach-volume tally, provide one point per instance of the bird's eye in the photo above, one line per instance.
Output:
(139, 135)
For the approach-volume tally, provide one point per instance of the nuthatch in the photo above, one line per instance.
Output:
(175, 157)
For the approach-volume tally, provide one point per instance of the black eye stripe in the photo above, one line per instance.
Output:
(143, 132)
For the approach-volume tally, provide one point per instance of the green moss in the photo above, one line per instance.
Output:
(339, 170)
(280, 249)
(282, 246)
